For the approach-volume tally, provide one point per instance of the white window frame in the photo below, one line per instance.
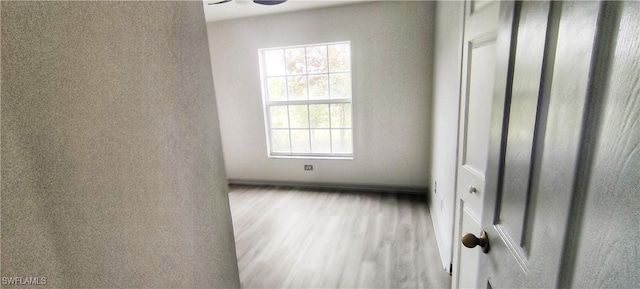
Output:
(267, 103)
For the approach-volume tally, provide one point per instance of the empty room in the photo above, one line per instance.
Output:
(325, 132)
(320, 144)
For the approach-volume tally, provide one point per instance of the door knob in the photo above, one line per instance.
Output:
(470, 240)
(472, 189)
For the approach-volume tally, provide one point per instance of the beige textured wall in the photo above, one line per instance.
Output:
(112, 169)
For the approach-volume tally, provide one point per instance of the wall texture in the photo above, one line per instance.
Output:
(444, 133)
(391, 68)
(112, 169)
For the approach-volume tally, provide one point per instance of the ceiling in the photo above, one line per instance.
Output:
(246, 8)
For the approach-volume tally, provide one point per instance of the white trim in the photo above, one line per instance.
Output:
(310, 102)
(316, 156)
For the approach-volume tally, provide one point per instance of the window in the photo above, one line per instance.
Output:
(307, 100)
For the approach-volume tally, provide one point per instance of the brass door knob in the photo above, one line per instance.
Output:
(470, 240)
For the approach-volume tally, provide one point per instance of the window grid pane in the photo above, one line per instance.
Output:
(274, 61)
(299, 116)
(294, 78)
(277, 88)
(300, 141)
(295, 60)
(279, 116)
(319, 116)
(321, 140)
(318, 86)
(340, 115)
(297, 87)
(280, 141)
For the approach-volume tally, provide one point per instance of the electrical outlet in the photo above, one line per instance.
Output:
(308, 167)
(435, 187)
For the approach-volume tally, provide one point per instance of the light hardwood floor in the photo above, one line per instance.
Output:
(300, 238)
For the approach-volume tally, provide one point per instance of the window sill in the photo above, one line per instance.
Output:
(311, 157)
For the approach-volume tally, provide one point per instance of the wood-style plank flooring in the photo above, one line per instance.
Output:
(301, 238)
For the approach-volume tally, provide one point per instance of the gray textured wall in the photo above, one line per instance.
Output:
(112, 169)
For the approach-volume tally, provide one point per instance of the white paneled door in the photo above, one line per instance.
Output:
(478, 70)
(548, 146)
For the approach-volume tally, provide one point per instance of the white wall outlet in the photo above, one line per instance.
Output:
(435, 187)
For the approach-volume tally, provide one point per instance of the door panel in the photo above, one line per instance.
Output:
(515, 187)
(477, 5)
(481, 65)
(515, 144)
(468, 259)
(479, 57)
